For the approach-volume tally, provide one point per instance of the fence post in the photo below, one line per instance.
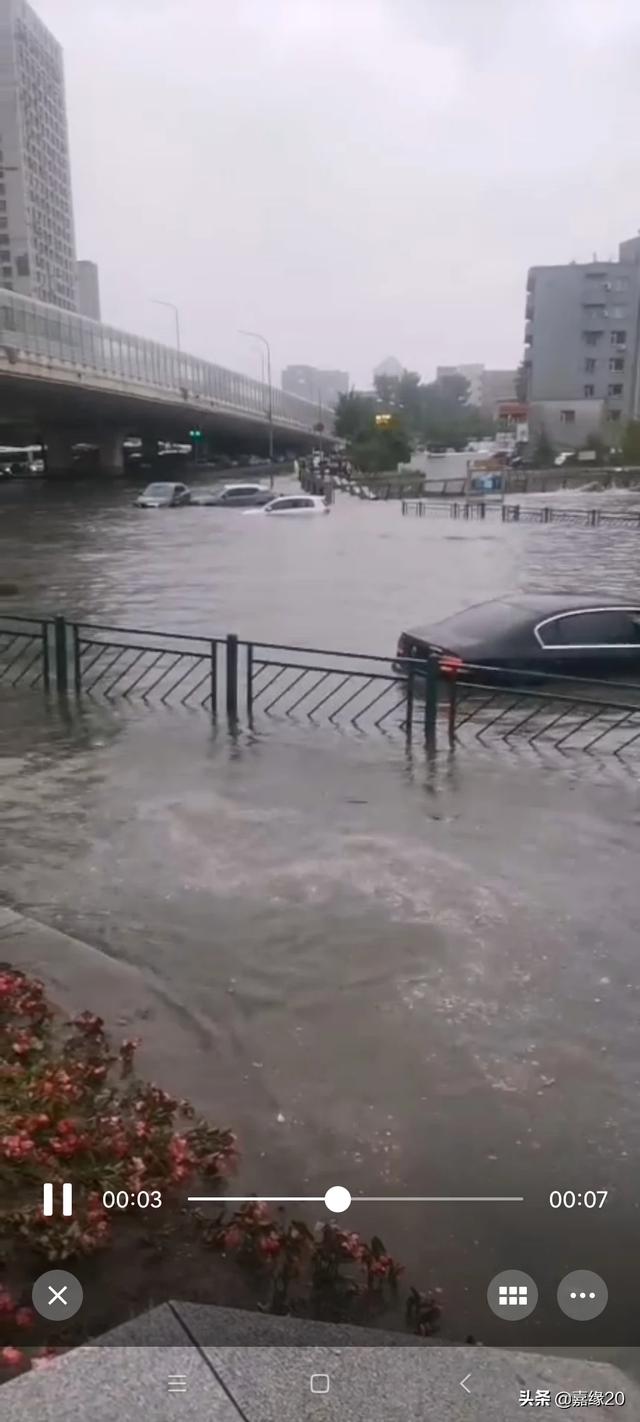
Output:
(410, 697)
(453, 706)
(46, 670)
(214, 677)
(77, 664)
(60, 633)
(232, 676)
(249, 679)
(431, 701)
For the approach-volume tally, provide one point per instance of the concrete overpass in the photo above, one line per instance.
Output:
(67, 380)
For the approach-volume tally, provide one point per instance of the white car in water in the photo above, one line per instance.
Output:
(297, 505)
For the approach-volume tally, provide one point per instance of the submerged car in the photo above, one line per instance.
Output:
(234, 496)
(562, 635)
(163, 496)
(297, 504)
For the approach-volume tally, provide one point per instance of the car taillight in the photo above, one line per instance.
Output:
(449, 666)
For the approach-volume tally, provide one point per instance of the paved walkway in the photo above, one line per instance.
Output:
(243, 1367)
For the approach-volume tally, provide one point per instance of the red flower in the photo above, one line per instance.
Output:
(25, 1318)
(16, 1147)
(233, 1237)
(7, 1303)
(12, 1357)
(270, 1245)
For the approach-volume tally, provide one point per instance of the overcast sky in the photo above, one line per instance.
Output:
(355, 178)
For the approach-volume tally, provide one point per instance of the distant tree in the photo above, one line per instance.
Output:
(382, 452)
(543, 450)
(596, 442)
(631, 443)
(355, 415)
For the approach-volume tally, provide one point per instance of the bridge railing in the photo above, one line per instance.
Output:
(48, 334)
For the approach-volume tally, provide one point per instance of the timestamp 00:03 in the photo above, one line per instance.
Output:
(126, 1200)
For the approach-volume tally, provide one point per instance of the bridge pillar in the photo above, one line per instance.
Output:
(111, 451)
(58, 446)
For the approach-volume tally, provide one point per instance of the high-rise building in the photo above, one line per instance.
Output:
(37, 244)
(88, 290)
(389, 367)
(487, 388)
(321, 387)
(582, 338)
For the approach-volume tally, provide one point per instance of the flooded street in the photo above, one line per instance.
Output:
(400, 977)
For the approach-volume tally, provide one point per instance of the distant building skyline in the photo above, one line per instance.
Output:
(582, 338)
(322, 387)
(487, 388)
(37, 238)
(390, 366)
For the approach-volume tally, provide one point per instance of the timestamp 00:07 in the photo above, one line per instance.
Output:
(126, 1200)
(569, 1199)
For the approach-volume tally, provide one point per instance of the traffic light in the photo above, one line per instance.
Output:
(195, 434)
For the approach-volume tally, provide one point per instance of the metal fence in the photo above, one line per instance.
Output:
(25, 651)
(257, 683)
(521, 513)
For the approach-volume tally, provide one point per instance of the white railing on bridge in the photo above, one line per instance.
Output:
(35, 330)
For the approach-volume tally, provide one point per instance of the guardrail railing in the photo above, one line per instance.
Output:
(256, 683)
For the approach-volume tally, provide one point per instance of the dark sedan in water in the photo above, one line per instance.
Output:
(234, 496)
(562, 635)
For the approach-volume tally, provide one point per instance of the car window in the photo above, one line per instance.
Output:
(283, 504)
(611, 627)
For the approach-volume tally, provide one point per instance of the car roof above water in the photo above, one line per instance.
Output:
(509, 616)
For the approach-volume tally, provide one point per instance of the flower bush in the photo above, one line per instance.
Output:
(72, 1106)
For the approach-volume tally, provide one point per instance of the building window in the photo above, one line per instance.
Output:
(618, 338)
(618, 312)
(589, 392)
(615, 390)
(590, 365)
(567, 417)
(616, 363)
(591, 338)
(621, 283)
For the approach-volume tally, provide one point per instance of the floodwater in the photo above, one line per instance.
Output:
(403, 977)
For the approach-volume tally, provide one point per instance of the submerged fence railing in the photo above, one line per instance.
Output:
(522, 513)
(254, 683)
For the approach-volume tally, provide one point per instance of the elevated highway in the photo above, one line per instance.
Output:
(66, 380)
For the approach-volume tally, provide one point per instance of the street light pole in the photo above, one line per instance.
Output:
(256, 336)
(171, 306)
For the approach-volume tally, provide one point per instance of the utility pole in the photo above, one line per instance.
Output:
(256, 336)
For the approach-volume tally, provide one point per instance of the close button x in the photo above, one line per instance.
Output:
(57, 1295)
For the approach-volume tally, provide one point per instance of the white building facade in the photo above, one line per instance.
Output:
(37, 241)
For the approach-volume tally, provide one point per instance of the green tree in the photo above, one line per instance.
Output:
(631, 443)
(355, 415)
(543, 450)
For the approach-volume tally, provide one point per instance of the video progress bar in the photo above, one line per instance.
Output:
(338, 1199)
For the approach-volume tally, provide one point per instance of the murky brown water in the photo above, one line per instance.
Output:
(401, 978)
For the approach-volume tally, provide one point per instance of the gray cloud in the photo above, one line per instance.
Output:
(353, 177)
